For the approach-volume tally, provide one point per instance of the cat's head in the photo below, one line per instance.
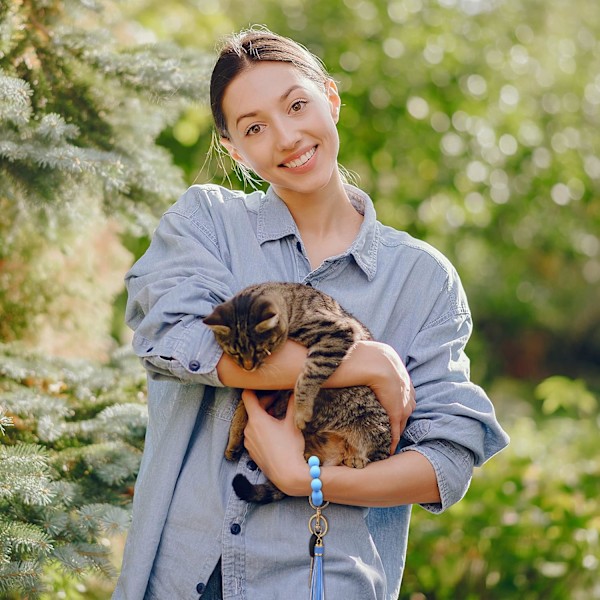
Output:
(248, 328)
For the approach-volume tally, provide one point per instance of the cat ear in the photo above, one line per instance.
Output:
(220, 329)
(215, 322)
(267, 324)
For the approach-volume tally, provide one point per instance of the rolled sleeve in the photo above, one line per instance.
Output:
(178, 281)
(192, 359)
(453, 466)
(454, 424)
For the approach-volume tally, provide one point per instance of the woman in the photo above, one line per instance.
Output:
(275, 111)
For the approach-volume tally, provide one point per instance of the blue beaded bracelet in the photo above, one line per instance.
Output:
(316, 484)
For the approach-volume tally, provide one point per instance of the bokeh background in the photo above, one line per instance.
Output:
(473, 124)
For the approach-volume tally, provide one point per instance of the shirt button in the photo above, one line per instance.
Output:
(200, 588)
(299, 246)
(252, 465)
(235, 528)
(194, 365)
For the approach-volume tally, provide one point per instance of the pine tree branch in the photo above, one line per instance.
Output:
(61, 499)
(23, 576)
(83, 113)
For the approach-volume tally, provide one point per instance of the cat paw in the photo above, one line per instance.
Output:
(262, 493)
(303, 416)
(356, 462)
(300, 422)
(243, 488)
(233, 454)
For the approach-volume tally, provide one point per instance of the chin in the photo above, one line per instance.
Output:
(307, 184)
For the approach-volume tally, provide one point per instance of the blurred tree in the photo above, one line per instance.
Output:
(529, 527)
(80, 111)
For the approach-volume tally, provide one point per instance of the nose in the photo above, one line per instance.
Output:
(248, 364)
(288, 137)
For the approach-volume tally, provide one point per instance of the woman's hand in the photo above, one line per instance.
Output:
(395, 391)
(276, 446)
(378, 365)
(369, 363)
(278, 449)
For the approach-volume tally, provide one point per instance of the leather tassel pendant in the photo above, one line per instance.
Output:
(317, 590)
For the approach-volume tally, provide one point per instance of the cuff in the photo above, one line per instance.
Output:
(453, 466)
(191, 357)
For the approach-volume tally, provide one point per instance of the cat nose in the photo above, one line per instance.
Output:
(248, 364)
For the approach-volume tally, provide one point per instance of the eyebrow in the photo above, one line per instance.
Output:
(283, 97)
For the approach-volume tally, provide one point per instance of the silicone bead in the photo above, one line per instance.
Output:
(313, 461)
(316, 484)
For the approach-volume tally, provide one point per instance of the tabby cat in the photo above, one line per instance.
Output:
(340, 425)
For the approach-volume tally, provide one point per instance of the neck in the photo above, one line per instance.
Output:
(327, 220)
(322, 212)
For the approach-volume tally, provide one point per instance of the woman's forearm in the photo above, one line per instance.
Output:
(406, 478)
(278, 372)
(278, 448)
(366, 364)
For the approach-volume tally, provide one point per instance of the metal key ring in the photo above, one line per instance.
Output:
(315, 527)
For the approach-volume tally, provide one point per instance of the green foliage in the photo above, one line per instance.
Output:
(529, 527)
(53, 291)
(567, 396)
(68, 462)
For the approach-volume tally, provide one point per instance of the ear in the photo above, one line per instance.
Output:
(215, 322)
(269, 323)
(220, 329)
(232, 150)
(333, 97)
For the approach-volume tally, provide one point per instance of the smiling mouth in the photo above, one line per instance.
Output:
(301, 160)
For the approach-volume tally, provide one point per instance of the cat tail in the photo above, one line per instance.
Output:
(261, 493)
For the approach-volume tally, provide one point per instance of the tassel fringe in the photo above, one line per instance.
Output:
(317, 591)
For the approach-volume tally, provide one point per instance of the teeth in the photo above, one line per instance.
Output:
(301, 160)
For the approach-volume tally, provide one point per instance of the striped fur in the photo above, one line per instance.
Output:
(342, 426)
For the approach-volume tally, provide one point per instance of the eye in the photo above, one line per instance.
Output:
(254, 129)
(298, 105)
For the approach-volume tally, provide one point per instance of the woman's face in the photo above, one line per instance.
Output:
(282, 126)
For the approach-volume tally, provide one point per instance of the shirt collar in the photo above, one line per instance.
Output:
(275, 222)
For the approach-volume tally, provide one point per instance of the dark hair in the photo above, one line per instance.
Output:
(242, 49)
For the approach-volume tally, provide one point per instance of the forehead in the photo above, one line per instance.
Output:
(260, 85)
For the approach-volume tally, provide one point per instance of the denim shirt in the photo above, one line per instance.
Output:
(212, 243)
